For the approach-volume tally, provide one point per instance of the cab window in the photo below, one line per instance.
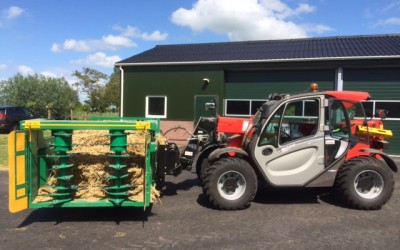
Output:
(269, 135)
(295, 120)
(339, 120)
(299, 120)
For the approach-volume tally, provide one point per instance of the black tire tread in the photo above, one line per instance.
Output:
(345, 178)
(212, 194)
(201, 168)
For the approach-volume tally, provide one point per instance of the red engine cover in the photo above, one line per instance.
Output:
(231, 125)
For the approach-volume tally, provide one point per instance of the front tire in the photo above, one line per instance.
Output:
(201, 166)
(230, 184)
(365, 183)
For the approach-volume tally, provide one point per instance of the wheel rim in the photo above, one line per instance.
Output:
(231, 185)
(369, 184)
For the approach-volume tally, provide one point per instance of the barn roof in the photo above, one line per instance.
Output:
(332, 48)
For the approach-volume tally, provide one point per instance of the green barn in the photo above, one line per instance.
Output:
(172, 82)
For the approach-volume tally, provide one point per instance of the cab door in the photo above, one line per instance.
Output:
(18, 190)
(337, 138)
(290, 149)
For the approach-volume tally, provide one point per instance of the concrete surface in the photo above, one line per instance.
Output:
(277, 219)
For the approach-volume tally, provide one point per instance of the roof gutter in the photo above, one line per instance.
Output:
(261, 61)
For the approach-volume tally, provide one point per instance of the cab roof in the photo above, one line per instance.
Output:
(349, 95)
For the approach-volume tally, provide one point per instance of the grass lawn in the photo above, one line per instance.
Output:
(3, 152)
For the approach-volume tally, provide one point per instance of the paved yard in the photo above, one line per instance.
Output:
(277, 219)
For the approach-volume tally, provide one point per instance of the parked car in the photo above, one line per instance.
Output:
(10, 116)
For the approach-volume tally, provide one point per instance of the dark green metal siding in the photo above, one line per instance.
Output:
(382, 84)
(200, 101)
(258, 84)
(394, 142)
(179, 85)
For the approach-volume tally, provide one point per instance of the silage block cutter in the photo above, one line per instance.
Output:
(41, 151)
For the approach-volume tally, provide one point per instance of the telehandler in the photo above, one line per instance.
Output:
(312, 139)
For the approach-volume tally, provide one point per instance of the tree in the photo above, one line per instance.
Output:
(91, 82)
(113, 89)
(38, 91)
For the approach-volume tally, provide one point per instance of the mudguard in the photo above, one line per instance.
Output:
(392, 165)
(221, 151)
(205, 152)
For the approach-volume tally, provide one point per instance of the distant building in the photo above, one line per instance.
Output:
(172, 82)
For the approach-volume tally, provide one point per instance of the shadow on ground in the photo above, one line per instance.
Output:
(60, 215)
(172, 188)
(271, 195)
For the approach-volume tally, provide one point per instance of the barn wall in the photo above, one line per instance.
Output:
(384, 86)
(180, 85)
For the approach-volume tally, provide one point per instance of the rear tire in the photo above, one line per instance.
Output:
(230, 184)
(365, 183)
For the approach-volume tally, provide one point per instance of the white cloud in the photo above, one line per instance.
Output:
(98, 59)
(155, 36)
(384, 13)
(116, 42)
(304, 8)
(49, 74)
(129, 31)
(3, 67)
(25, 70)
(56, 48)
(393, 6)
(134, 32)
(245, 19)
(14, 12)
(77, 45)
(109, 42)
(318, 28)
(388, 21)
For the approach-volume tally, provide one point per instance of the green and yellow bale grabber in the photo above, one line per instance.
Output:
(97, 163)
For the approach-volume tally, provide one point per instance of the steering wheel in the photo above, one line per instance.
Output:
(284, 134)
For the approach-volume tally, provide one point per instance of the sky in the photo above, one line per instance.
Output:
(55, 38)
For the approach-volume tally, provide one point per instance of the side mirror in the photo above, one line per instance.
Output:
(381, 113)
(210, 106)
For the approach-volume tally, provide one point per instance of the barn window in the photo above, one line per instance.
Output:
(242, 107)
(392, 106)
(237, 107)
(156, 106)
